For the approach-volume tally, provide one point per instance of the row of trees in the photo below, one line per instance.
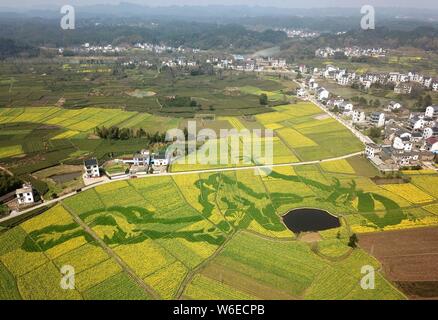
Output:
(116, 133)
(366, 103)
(8, 183)
(423, 102)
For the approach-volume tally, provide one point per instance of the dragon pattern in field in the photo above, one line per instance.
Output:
(239, 204)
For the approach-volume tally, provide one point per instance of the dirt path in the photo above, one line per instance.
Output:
(6, 170)
(195, 271)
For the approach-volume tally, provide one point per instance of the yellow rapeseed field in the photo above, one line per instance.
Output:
(409, 192)
(338, 166)
(53, 216)
(11, 151)
(145, 257)
(166, 281)
(295, 139)
(95, 275)
(273, 117)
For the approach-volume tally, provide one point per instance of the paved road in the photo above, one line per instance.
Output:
(260, 167)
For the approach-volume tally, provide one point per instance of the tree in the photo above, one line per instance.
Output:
(377, 103)
(353, 241)
(263, 99)
(8, 183)
(363, 101)
(427, 101)
(4, 210)
(375, 133)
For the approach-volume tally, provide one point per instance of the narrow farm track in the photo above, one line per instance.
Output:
(113, 255)
(196, 270)
(7, 171)
(259, 167)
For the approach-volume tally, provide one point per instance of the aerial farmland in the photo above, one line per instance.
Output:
(150, 159)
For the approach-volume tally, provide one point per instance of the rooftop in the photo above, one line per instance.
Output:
(24, 189)
(90, 162)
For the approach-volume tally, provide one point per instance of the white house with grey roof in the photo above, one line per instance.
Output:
(430, 132)
(378, 119)
(431, 112)
(91, 167)
(25, 195)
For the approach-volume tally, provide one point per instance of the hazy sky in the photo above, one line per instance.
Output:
(277, 3)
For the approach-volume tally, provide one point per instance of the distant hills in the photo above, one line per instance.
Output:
(221, 12)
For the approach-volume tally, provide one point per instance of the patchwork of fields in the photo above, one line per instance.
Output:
(301, 133)
(36, 138)
(216, 235)
(212, 236)
(74, 84)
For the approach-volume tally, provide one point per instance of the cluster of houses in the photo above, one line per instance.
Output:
(108, 48)
(351, 52)
(293, 33)
(408, 143)
(240, 63)
(403, 82)
(160, 48)
(88, 48)
(179, 62)
(410, 139)
(141, 163)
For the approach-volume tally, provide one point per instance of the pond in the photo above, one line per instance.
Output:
(310, 220)
(65, 177)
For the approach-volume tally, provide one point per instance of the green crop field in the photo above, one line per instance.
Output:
(192, 235)
(210, 235)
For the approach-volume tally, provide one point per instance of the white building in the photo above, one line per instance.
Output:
(430, 132)
(377, 119)
(344, 80)
(427, 82)
(358, 116)
(322, 94)
(431, 112)
(394, 106)
(372, 149)
(301, 93)
(346, 108)
(416, 123)
(403, 143)
(313, 85)
(403, 88)
(25, 195)
(160, 160)
(394, 77)
(91, 167)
